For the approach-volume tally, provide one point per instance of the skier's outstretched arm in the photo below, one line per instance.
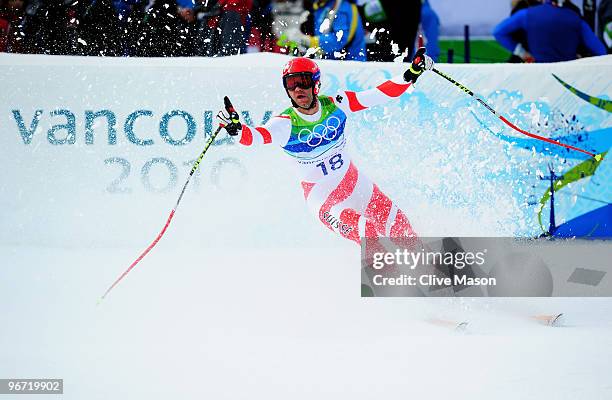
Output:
(390, 89)
(276, 130)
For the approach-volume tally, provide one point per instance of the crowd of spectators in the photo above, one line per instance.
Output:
(374, 30)
(154, 28)
(339, 29)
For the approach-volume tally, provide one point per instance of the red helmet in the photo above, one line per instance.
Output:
(305, 67)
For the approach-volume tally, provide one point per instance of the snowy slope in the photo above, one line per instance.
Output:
(246, 296)
(272, 325)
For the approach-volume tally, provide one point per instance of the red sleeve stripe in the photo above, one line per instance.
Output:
(247, 136)
(354, 104)
(393, 89)
(283, 116)
(267, 137)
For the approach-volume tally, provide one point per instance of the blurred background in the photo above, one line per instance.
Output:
(470, 31)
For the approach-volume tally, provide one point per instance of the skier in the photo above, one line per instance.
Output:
(312, 132)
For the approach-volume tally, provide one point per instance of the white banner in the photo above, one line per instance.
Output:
(95, 150)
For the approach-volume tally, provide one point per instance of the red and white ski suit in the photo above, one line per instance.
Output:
(342, 198)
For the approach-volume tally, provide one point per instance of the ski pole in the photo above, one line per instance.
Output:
(159, 236)
(510, 124)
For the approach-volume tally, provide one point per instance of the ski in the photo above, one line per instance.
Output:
(457, 326)
(554, 320)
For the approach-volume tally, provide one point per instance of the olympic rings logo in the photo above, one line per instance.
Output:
(314, 137)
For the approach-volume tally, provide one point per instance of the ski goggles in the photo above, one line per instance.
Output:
(302, 80)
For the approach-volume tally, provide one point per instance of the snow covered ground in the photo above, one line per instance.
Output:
(195, 323)
(247, 296)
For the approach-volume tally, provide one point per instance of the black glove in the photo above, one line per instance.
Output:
(231, 121)
(421, 62)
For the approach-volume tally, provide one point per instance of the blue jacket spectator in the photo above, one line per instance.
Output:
(186, 3)
(338, 31)
(343, 34)
(431, 29)
(553, 33)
